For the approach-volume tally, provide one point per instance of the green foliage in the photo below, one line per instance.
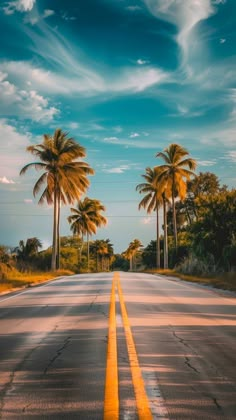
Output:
(5, 265)
(214, 231)
(193, 265)
(120, 263)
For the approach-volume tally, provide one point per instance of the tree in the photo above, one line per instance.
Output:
(152, 201)
(65, 176)
(131, 252)
(214, 232)
(175, 174)
(4, 262)
(26, 250)
(103, 251)
(86, 218)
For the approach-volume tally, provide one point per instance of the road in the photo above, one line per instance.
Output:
(175, 342)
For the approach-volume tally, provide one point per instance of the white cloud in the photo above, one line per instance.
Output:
(19, 6)
(5, 180)
(141, 62)
(117, 170)
(133, 135)
(12, 149)
(86, 82)
(222, 40)
(16, 101)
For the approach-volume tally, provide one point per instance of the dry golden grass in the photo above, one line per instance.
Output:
(225, 281)
(15, 279)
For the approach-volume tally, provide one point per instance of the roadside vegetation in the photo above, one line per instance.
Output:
(195, 221)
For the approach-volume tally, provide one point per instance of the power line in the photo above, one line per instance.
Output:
(50, 215)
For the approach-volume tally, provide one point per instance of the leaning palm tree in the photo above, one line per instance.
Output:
(175, 175)
(152, 201)
(86, 218)
(65, 176)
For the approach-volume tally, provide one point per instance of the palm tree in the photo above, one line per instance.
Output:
(152, 201)
(86, 218)
(27, 249)
(131, 252)
(136, 244)
(102, 250)
(109, 256)
(64, 175)
(175, 174)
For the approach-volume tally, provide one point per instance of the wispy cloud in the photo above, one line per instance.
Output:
(117, 170)
(209, 162)
(67, 17)
(231, 156)
(71, 71)
(185, 15)
(134, 8)
(34, 18)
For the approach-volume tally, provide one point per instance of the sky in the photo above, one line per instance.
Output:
(125, 78)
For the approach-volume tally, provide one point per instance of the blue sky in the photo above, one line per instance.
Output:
(124, 77)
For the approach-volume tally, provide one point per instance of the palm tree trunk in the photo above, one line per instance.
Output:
(131, 263)
(165, 234)
(55, 231)
(58, 233)
(88, 251)
(158, 251)
(174, 219)
(81, 248)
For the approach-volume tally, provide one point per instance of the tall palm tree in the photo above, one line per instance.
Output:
(65, 176)
(86, 218)
(152, 201)
(175, 174)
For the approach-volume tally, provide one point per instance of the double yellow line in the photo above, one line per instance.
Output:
(111, 402)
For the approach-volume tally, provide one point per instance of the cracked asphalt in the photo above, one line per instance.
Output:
(53, 346)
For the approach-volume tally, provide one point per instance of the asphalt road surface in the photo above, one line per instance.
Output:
(127, 346)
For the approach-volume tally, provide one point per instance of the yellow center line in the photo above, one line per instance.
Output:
(111, 401)
(142, 402)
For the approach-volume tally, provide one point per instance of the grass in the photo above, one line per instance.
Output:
(16, 280)
(225, 281)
